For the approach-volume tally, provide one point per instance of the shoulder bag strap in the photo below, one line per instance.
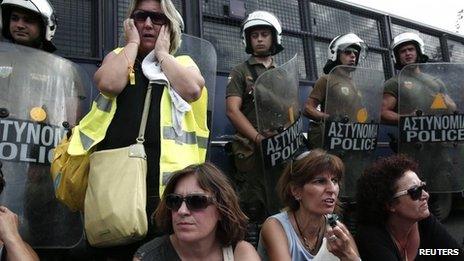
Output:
(228, 253)
(254, 73)
(143, 123)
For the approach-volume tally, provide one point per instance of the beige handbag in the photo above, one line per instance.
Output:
(116, 195)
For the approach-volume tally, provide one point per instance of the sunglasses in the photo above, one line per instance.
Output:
(349, 52)
(156, 18)
(296, 157)
(415, 192)
(193, 201)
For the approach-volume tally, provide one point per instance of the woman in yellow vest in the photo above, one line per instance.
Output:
(154, 28)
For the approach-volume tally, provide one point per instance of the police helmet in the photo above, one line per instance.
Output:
(262, 18)
(41, 7)
(340, 44)
(406, 38)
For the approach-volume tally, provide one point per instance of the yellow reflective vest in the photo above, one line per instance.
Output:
(177, 151)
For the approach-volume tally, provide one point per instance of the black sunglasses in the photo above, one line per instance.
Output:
(193, 201)
(156, 18)
(415, 192)
(350, 51)
(301, 153)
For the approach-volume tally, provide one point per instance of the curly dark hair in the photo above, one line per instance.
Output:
(299, 172)
(377, 186)
(233, 223)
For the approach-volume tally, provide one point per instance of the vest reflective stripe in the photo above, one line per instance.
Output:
(203, 142)
(179, 151)
(86, 141)
(185, 138)
(165, 179)
(92, 128)
(103, 103)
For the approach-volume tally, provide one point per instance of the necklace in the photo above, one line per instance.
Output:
(305, 240)
(403, 249)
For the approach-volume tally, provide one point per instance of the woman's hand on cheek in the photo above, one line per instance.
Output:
(130, 32)
(163, 42)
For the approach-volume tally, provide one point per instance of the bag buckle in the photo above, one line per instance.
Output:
(137, 151)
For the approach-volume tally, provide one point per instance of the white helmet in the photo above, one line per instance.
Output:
(41, 7)
(339, 44)
(408, 37)
(262, 18)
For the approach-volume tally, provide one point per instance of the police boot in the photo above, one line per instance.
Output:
(252, 235)
(256, 215)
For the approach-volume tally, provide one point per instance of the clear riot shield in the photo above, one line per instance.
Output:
(278, 119)
(204, 55)
(41, 96)
(431, 127)
(353, 102)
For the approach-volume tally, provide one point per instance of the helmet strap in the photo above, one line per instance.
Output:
(263, 55)
(270, 52)
(36, 43)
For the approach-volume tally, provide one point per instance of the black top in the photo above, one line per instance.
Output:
(375, 243)
(159, 248)
(2, 253)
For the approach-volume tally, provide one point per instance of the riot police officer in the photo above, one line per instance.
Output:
(347, 122)
(46, 97)
(262, 38)
(414, 92)
(407, 48)
(346, 49)
(31, 23)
